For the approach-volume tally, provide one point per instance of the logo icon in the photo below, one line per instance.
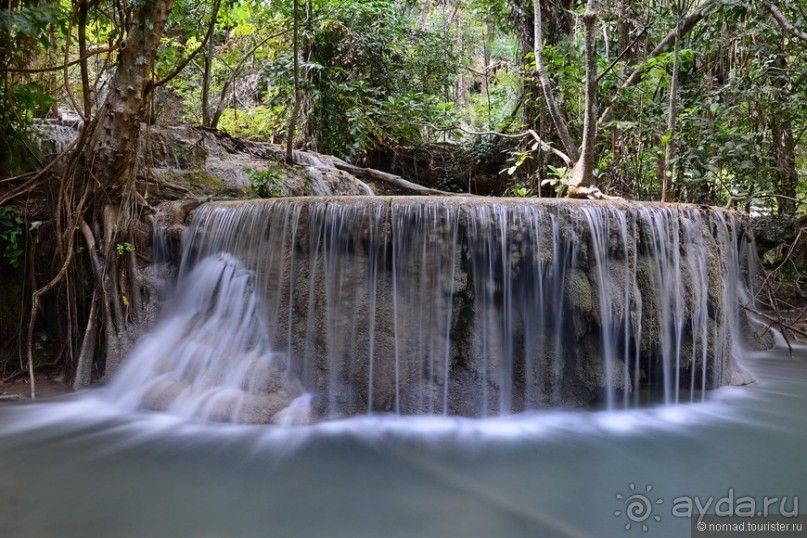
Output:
(637, 507)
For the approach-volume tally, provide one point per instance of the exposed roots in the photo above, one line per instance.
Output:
(84, 208)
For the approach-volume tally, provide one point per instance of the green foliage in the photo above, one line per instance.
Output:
(519, 190)
(380, 80)
(558, 178)
(492, 111)
(379, 74)
(12, 227)
(124, 248)
(24, 31)
(266, 183)
(260, 122)
(731, 105)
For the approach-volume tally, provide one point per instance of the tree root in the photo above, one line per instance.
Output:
(590, 193)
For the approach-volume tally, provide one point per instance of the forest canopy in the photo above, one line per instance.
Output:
(718, 110)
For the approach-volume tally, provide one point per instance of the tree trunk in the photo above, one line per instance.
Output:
(487, 58)
(583, 169)
(460, 90)
(425, 10)
(623, 26)
(784, 149)
(295, 111)
(110, 154)
(669, 150)
(110, 159)
(206, 76)
(486, 53)
(546, 86)
(557, 23)
(82, 53)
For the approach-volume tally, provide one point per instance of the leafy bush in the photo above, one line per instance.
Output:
(266, 183)
(11, 229)
(370, 79)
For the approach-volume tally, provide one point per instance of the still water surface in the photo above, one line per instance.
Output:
(81, 468)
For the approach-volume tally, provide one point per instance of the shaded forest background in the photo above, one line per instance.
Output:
(699, 101)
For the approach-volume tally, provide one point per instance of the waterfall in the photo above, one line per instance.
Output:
(212, 357)
(450, 306)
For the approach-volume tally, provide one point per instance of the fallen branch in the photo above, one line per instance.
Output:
(392, 180)
(779, 320)
(735, 199)
(529, 132)
(775, 321)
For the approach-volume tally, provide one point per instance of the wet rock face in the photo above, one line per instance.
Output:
(478, 307)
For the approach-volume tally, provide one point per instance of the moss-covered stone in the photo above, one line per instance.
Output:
(579, 294)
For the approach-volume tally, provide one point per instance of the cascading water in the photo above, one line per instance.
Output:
(448, 306)
(212, 357)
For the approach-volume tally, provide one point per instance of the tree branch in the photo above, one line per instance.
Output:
(774, 320)
(686, 24)
(529, 132)
(35, 70)
(669, 150)
(295, 110)
(83, 114)
(784, 22)
(178, 69)
(235, 72)
(623, 53)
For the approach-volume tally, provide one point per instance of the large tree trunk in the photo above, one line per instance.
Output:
(109, 172)
(111, 152)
